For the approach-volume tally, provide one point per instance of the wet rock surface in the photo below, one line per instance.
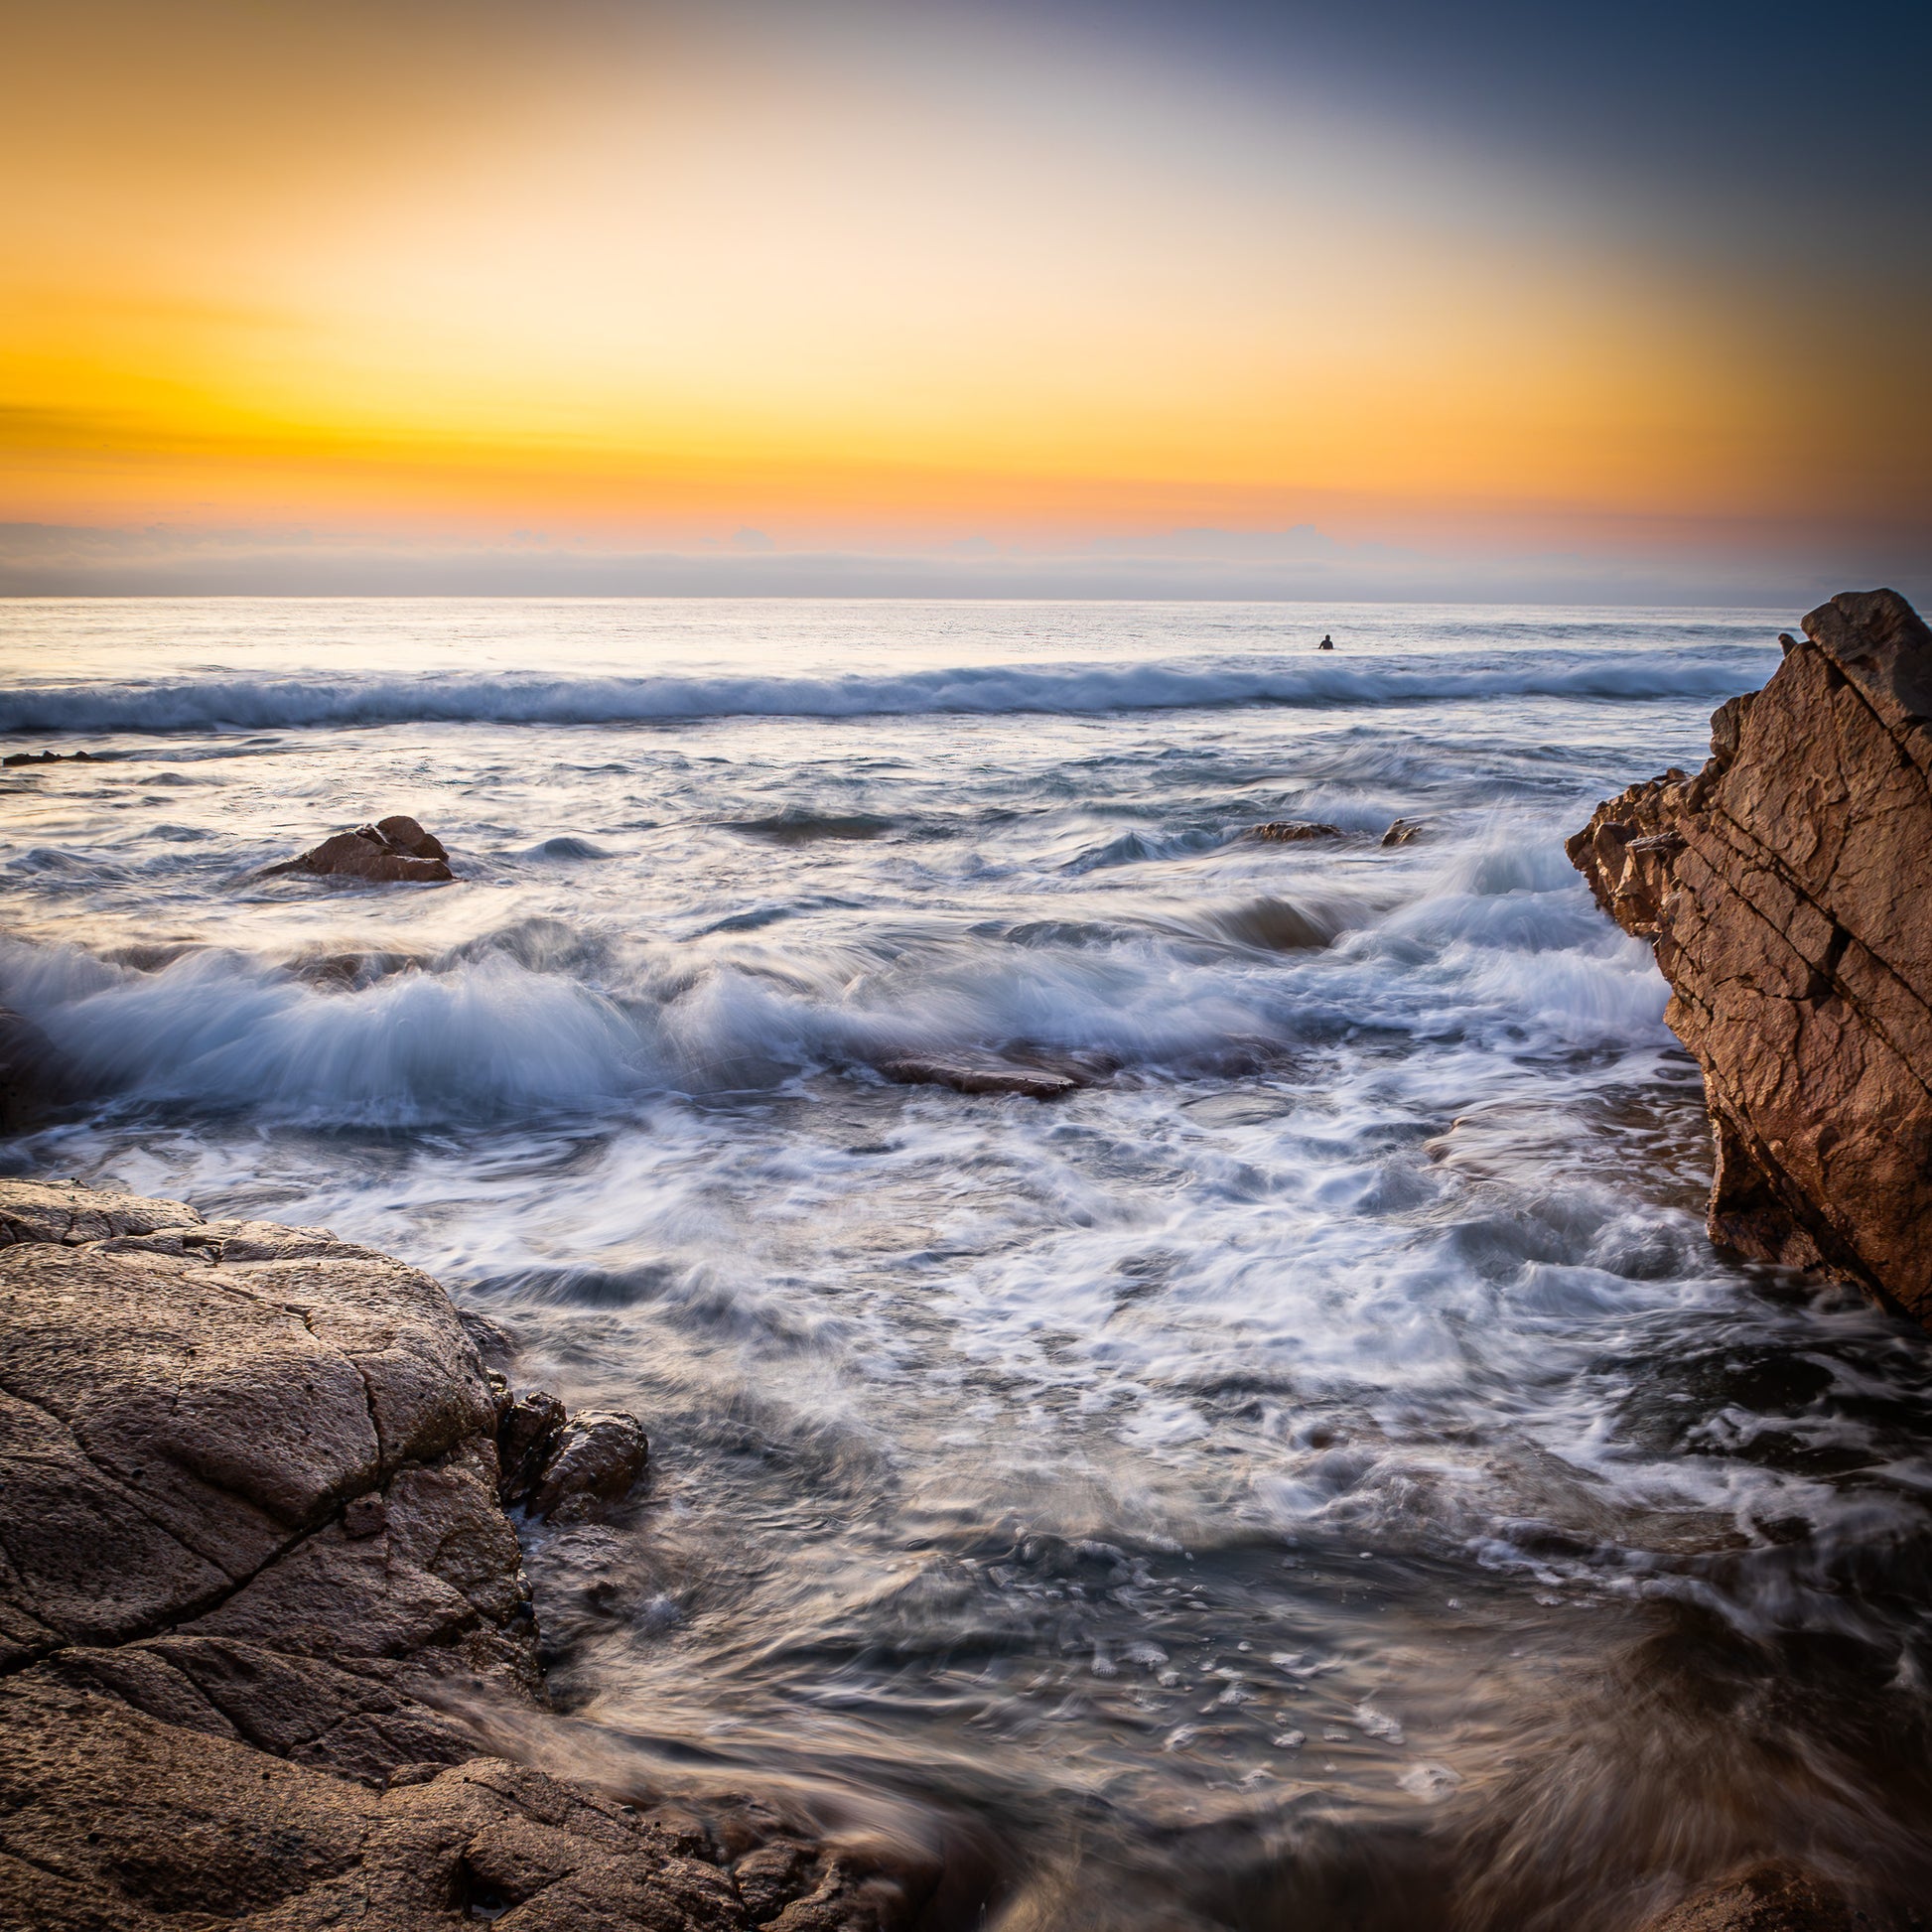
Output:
(259, 1599)
(49, 757)
(1788, 889)
(1291, 831)
(392, 849)
(979, 1076)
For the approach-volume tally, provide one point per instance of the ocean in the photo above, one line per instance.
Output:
(1318, 1473)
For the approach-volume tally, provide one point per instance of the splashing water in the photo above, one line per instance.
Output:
(1317, 1471)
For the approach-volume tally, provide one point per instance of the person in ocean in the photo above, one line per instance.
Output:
(1326, 644)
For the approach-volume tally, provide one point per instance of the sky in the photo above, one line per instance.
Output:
(964, 297)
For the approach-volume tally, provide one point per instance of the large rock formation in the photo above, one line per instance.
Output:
(1788, 889)
(255, 1584)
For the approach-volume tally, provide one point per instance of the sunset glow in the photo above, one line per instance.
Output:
(641, 280)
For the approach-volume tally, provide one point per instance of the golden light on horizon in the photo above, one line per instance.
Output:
(649, 287)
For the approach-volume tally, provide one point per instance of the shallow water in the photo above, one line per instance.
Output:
(1317, 1476)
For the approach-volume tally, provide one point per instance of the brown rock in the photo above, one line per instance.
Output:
(1775, 1897)
(252, 1570)
(1788, 889)
(49, 757)
(1291, 831)
(597, 1454)
(392, 849)
(1404, 831)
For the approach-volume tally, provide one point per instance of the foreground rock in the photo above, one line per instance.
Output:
(391, 849)
(259, 1599)
(1788, 889)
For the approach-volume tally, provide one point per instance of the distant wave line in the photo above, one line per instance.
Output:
(296, 702)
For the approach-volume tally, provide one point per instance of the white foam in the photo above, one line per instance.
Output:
(268, 703)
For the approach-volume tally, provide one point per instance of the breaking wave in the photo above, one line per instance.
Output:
(288, 702)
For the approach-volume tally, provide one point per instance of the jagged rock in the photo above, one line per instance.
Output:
(527, 1428)
(49, 757)
(1291, 831)
(395, 848)
(1788, 889)
(978, 1076)
(257, 1594)
(597, 1456)
(1404, 831)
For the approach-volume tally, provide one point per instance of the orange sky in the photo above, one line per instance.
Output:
(640, 278)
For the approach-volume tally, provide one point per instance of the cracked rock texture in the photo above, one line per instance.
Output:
(1788, 889)
(253, 1569)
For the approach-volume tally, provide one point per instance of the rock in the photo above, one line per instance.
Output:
(49, 757)
(391, 849)
(978, 1076)
(1291, 831)
(257, 1594)
(527, 1429)
(597, 1456)
(1404, 831)
(1788, 889)
(1774, 1897)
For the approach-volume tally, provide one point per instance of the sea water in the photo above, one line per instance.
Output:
(1317, 1475)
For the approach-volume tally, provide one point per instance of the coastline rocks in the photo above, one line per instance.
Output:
(562, 1465)
(49, 757)
(1289, 831)
(259, 1601)
(1788, 889)
(392, 849)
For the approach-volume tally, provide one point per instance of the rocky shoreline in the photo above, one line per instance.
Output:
(1787, 889)
(260, 1597)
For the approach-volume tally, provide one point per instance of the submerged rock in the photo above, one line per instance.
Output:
(1404, 831)
(259, 1601)
(1775, 1897)
(1788, 891)
(1291, 831)
(392, 849)
(49, 757)
(979, 1076)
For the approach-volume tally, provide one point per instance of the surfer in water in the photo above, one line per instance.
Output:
(1326, 644)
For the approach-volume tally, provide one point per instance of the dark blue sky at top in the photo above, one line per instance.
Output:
(1786, 121)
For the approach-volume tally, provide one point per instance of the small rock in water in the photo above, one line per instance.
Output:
(1291, 831)
(598, 1455)
(392, 849)
(1290, 1741)
(1405, 831)
(49, 757)
(979, 1076)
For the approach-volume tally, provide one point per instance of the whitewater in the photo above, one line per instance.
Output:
(1318, 1472)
